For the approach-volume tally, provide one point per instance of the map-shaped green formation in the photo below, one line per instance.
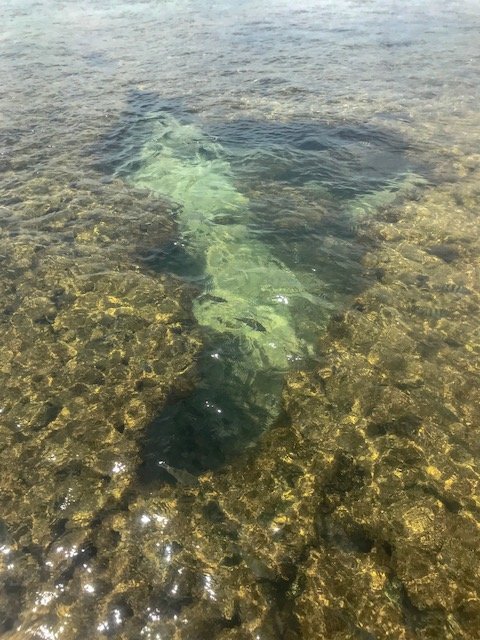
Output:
(249, 292)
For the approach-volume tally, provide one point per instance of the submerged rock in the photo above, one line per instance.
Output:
(90, 353)
(355, 516)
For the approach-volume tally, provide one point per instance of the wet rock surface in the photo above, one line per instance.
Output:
(93, 344)
(356, 516)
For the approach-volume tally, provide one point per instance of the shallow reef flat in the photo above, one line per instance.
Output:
(355, 516)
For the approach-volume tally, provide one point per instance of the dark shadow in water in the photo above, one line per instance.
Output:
(348, 158)
(221, 418)
(118, 150)
(217, 421)
(174, 258)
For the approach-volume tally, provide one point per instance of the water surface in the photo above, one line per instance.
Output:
(239, 344)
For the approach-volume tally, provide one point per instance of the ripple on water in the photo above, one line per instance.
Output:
(320, 122)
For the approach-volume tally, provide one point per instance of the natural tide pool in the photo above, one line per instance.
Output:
(239, 269)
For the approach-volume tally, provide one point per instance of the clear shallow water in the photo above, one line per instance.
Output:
(251, 298)
(122, 342)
